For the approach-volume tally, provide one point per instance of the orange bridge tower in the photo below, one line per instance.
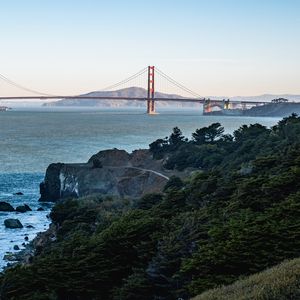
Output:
(151, 91)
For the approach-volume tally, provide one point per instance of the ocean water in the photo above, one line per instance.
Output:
(28, 183)
(31, 139)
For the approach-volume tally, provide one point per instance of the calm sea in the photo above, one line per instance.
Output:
(31, 139)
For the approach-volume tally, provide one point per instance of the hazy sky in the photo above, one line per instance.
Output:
(215, 47)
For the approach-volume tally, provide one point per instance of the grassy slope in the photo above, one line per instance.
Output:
(280, 282)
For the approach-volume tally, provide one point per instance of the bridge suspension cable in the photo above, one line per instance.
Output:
(177, 84)
(134, 76)
(13, 83)
(137, 77)
(110, 87)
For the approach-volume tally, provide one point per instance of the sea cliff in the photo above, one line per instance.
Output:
(110, 172)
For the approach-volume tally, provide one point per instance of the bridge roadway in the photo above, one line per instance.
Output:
(197, 100)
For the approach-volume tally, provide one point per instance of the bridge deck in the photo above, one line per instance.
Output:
(202, 100)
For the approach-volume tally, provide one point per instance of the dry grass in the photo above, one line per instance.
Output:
(281, 282)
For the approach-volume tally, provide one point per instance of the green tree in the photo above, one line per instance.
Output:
(208, 134)
(176, 138)
(174, 183)
(253, 131)
(158, 148)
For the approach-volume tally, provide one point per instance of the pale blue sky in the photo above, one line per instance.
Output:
(215, 47)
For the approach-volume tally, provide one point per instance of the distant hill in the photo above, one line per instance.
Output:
(140, 92)
(127, 92)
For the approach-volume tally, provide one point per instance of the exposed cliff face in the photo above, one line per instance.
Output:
(120, 174)
(50, 188)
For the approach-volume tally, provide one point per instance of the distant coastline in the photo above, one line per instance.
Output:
(268, 110)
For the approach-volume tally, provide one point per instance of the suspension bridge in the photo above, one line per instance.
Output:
(153, 81)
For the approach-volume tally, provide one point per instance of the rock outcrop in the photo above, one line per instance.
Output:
(118, 174)
(23, 208)
(13, 223)
(4, 206)
(18, 194)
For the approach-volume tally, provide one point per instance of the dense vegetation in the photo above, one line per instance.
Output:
(237, 214)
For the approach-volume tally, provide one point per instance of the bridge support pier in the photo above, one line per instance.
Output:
(151, 107)
(208, 105)
(151, 92)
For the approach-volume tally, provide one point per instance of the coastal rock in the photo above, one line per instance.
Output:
(18, 194)
(13, 223)
(27, 207)
(40, 209)
(23, 256)
(23, 208)
(16, 247)
(43, 239)
(122, 175)
(4, 206)
(10, 257)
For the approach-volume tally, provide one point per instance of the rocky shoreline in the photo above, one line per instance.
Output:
(111, 172)
(32, 248)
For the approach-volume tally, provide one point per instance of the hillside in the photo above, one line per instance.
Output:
(127, 92)
(278, 283)
(274, 110)
(237, 214)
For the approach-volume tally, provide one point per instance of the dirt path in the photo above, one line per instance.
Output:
(151, 171)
